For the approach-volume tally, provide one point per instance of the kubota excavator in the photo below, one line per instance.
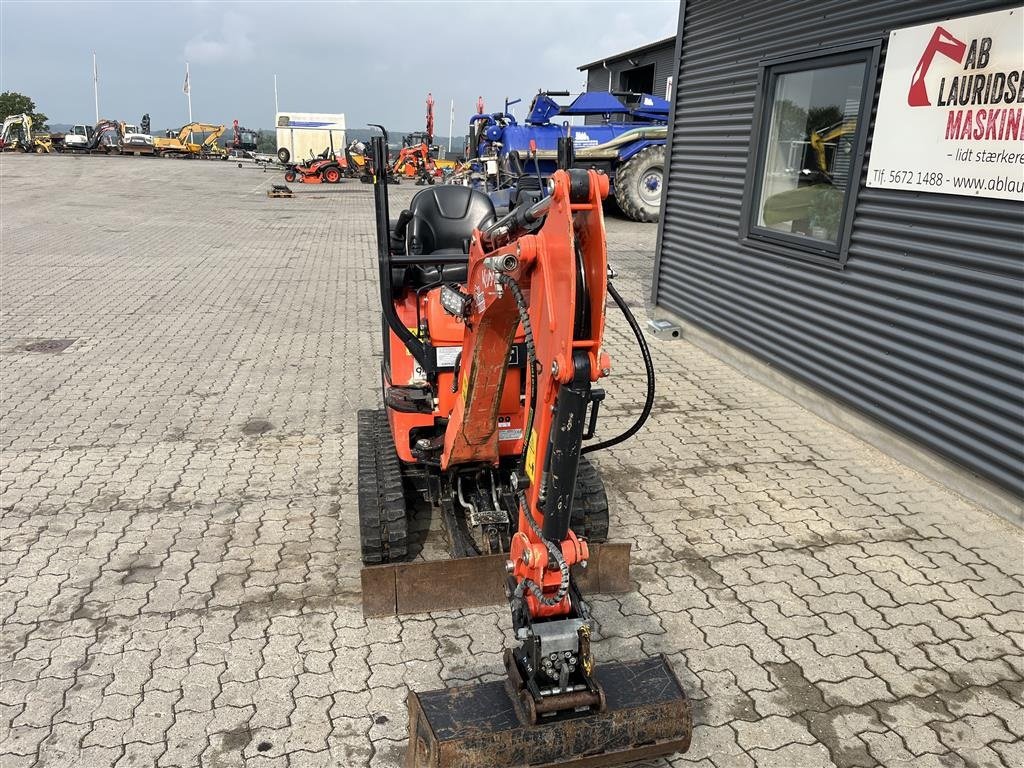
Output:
(415, 160)
(416, 157)
(492, 345)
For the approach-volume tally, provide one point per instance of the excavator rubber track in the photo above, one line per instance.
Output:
(590, 504)
(383, 525)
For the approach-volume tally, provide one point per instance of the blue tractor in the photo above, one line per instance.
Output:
(511, 159)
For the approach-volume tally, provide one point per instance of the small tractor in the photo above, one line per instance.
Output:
(492, 344)
(324, 168)
(628, 145)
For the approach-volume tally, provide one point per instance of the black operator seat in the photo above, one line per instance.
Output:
(435, 233)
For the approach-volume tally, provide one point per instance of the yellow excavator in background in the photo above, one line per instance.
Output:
(818, 140)
(813, 205)
(182, 145)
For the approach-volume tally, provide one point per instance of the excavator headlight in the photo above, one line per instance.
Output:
(454, 301)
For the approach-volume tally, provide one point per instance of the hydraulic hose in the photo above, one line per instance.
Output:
(649, 367)
(531, 361)
(553, 551)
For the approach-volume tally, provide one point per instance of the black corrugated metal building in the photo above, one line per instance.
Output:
(904, 305)
(646, 69)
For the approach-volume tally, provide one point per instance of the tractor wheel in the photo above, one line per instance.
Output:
(590, 504)
(638, 184)
(383, 526)
(284, 155)
(332, 175)
(290, 177)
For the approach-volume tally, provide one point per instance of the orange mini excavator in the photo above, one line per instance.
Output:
(493, 343)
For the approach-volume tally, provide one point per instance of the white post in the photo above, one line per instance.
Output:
(188, 92)
(276, 107)
(451, 126)
(96, 86)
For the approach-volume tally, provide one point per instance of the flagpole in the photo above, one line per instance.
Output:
(96, 86)
(276, 107)
(188, 92)
(451, 126)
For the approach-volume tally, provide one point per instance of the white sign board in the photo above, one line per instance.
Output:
(950, 109)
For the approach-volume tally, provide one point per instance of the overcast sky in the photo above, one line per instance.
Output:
(373, 61)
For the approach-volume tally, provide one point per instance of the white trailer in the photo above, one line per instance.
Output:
(301, 133)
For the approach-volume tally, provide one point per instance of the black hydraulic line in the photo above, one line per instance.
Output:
(648, 365)
(553, 550)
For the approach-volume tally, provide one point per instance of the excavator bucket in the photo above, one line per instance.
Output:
(646, 715)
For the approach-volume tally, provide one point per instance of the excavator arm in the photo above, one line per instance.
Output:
(17, 129)
(818, 140)
(103, 127)
(545, 269)
(181, 145)
(215, 132)
(190, 128)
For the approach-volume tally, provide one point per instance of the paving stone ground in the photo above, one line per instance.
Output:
(179, 580)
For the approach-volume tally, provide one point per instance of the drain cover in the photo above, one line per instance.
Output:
(51, 346)
(256, 427)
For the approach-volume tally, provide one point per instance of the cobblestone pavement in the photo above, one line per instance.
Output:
(180, 568)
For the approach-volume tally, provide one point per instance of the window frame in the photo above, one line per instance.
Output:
(866, 52)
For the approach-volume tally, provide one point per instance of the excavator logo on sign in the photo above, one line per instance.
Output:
(942, 42)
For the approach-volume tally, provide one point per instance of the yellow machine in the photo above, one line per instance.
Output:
(16, 136)
(818, 140)
(183, 144)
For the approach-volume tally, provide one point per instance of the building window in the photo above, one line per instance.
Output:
(807, 161)
(638, 79)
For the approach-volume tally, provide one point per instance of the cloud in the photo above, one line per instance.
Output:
(233, 43)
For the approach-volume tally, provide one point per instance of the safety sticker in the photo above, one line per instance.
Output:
(446, 356)
(505, 430)
(531, 456)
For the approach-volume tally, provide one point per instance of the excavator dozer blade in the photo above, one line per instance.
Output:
(466, 582)
(647, 716)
